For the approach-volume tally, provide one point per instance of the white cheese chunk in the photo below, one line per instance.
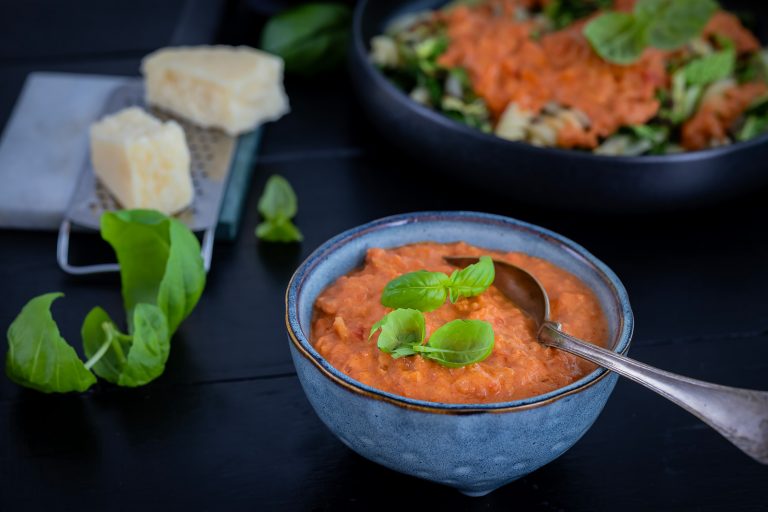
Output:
(232, 88)
(143, 162)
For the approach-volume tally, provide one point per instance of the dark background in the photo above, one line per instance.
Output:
(227, 426)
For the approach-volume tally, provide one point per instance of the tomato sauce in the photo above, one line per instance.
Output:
(518, 367)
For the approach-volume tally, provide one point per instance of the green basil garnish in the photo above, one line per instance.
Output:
(401, 330)
(278, 205)
(310, 38)
(665, 24)
(455, 344)
(421, 290)
(162, 278)
(472, 280)
(427, 291)
(459, 343)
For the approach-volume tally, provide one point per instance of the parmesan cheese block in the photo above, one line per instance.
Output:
(143, 162)
(232, 88)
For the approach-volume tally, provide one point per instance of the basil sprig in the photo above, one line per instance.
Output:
(162, 278)
(278, 205)
(427, 291)
(665, 24)
(455, 344)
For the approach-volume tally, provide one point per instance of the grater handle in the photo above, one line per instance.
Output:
(62, 253)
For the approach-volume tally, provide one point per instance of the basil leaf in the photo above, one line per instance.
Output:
(674, 22)
(472, 280)
(278, 199)
(621, 37)
(710, 68)
(184, 278)
(150, 348)
(400, 331)
(98, 329)
(459, 343)
(125, 360)
(310, 38)
(160, 262)
(422, 290)
(617, 37)
(38, 357)
(280, 230)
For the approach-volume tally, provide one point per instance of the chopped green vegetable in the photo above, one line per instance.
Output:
(459, 343)
(38, 357)
(162, 278)
(310, 38)
(278, 205)
(666, 24)
(710, 68)
(400, 331)
(756, 120)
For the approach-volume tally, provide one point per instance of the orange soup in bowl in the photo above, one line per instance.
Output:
(518, 367)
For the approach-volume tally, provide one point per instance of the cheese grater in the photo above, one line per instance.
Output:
(211, 153)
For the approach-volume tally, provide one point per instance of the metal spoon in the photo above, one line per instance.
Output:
(740, 415)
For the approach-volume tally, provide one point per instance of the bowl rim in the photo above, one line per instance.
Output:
(300, 340)
(360, 52)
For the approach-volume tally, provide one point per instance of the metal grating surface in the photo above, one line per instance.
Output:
(211, 154)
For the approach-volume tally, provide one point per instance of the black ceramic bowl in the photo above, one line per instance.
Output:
(544, 176)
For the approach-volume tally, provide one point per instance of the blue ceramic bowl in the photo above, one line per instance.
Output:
(473, 447)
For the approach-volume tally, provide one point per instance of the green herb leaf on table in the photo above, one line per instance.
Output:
(128, 360)
(459, 343)
(38, 357)
(310, 38)
(162, 278)
(421, 290)
(400, 331)
(472, 280)
(278, 205)
(160, 262)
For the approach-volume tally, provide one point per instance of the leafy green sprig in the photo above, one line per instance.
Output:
(621, 37)
(427, 291)
(457, 343)
(278, 205)
(162, 278)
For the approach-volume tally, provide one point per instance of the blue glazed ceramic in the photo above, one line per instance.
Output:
(475, 448)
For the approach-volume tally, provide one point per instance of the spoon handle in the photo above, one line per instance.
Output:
(740, 415)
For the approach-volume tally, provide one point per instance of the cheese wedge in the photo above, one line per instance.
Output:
(143, 162)
(232, 88)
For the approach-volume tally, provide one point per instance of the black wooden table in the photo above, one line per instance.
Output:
(227, 426)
